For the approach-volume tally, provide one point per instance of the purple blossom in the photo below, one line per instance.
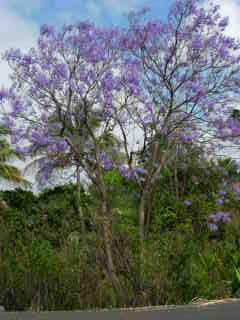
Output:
(125, 171)
(46, 30)
(3, 94)
(55, 125)
(62, 145)
(17, 107)
(218, 217)
(220, 201)
(61, 71)
(188, 202)
(224, 22)
(42, 81)
(7, 122)
(132, 173)
(106, 162)
(222, 193)
(186, 138)
(108, 81)
(45, 170)
(162, 110)
(15, 136)
(13, 54)
(27, 60)
(139, 170)
(198, 45)
(52, 149)
(225, 219)
(146, 120)
(22, 150)
(40, 137)
(84, 26)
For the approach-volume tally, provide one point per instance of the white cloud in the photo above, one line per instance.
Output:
(231, 8)
(121, 6)
(15, 32)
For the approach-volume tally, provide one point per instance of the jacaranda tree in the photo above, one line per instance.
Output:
(190, 83)
(61, 106)
(173, 82)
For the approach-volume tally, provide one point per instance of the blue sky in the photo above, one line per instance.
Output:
(104, 12)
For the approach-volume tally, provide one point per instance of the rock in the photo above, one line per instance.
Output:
(2, 309)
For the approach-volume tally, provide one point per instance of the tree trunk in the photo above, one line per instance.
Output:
(176, 182)
(107, 237)
(146, 192)
(79, 205)
(36, 301)
(149, 207)
(141, 215)
(107, 234)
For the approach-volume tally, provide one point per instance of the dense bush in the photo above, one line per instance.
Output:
(47, 263)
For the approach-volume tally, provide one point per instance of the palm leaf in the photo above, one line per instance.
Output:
(8, 171)
(11, 173)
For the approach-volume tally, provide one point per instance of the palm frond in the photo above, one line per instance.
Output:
(7, 153)
(12, 174)
(7, 171)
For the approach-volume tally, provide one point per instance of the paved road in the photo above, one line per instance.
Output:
(226, 311)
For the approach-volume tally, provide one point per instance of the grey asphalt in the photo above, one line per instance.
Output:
(226, 311)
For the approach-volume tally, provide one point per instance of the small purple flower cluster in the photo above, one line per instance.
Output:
(3, 94)
(217, 218)
(106, 162)
(132, 173)
(188, 202)
(222, 193)
(220, 201)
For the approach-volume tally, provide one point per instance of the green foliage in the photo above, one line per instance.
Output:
(40, 258)
(47, 264)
